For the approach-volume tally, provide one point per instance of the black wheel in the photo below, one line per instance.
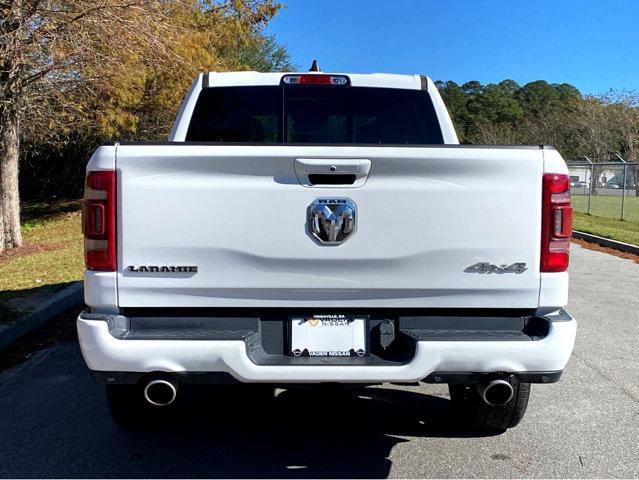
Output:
(127, 406)
(477, 414)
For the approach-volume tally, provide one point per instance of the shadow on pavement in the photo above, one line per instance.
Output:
(55, 424)
(16, 304)
(301, 432)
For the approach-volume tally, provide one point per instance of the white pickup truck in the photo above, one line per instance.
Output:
(309, 228)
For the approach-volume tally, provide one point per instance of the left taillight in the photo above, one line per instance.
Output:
(556, 223)
(98, 221)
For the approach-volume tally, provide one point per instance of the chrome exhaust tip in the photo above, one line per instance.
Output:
(160, 392)
(496, 392)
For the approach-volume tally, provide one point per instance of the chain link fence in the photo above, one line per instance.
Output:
(605, 189)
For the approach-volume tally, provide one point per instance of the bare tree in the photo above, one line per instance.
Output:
(623, 111)
(493, 134)
(9, 128)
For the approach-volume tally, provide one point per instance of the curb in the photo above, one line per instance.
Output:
(606, 242)
(64, 300)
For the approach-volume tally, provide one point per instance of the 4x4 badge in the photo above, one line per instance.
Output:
(485, 267)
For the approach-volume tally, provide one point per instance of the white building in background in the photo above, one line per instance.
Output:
(609, 176)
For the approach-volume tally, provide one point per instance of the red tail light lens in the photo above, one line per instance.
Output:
(98, 221)
(556, 223)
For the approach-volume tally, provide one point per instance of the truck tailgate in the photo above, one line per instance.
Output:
(239, 214)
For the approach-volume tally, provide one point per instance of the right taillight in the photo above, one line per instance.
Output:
(556, 223)
(98, 221)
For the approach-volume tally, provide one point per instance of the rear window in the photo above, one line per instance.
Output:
(314, 115)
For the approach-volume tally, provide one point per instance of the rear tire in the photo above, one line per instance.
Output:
(476, 414)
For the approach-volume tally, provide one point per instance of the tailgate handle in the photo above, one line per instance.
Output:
(335, 179)
(325, 172)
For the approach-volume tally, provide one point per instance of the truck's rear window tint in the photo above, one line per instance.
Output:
(237, 114)
(314, 115)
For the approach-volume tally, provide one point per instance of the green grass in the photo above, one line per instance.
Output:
(604, 219)
(623, 231)
(50, 258)
(608, 206)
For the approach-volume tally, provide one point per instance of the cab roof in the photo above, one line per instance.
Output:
(382, 80)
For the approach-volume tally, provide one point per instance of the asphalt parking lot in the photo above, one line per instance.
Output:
(54, 423)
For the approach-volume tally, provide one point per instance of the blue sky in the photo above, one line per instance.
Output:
(593, 45)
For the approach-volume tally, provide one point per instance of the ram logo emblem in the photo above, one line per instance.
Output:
(331, 221)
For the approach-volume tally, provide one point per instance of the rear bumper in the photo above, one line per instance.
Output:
(109, 357)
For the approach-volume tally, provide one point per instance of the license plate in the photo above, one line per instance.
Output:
(328, 336)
